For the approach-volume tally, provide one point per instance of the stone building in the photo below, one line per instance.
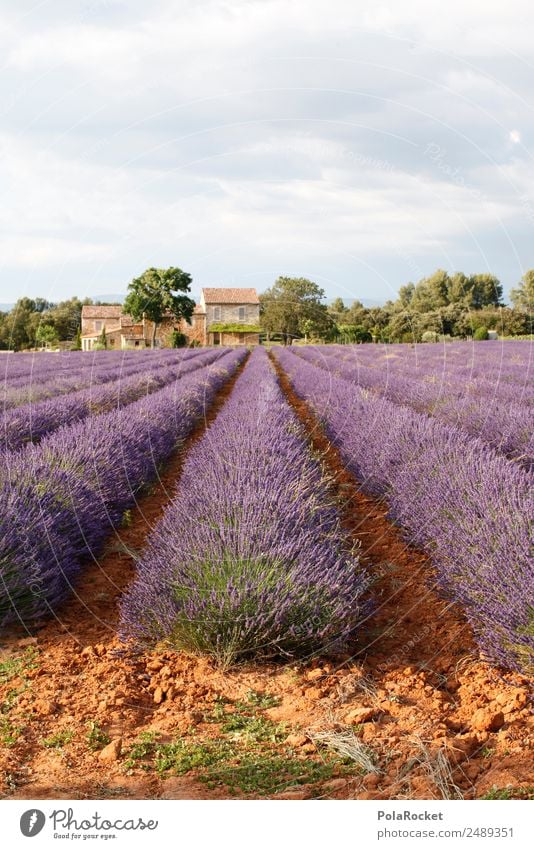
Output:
(122, 332)
(225, 316)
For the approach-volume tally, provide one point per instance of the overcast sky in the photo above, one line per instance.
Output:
(360, 144)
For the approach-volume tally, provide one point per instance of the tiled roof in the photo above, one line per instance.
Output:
(101, 312)
(230, 296)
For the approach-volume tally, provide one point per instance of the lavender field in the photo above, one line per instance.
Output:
(303, 572)
(250, 558)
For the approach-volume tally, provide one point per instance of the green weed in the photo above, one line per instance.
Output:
(9, 733)
(510, 793)
(17, 666)
(142, 748)
(262, 773)
(185, 755)
(57, 741)
(96, 738)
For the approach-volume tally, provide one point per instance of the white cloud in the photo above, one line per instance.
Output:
(260, 126)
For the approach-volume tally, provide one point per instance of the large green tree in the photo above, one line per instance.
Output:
(337, 310)
(156, 295)
(18, 328)
(523, 296)
(46, 335)
(293, 308)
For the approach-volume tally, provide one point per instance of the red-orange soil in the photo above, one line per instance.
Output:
(439, 721)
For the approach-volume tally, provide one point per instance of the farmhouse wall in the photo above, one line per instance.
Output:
(240, 338)
(196, 331)
(229, 314)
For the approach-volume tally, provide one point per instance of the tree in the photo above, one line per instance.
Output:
(431, 293)
(337, 310)
(19, 330)
(459, 290)
(351, 333)
(486, 291)
(292, 307)
(178, 339)
(401, 326)
(406, 294)
(358, 314)
(46, 335)
(66, 317)
(102, 342)
(153, 296)
(523, 297)
(42, 305)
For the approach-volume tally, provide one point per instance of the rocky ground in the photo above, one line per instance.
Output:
(411, 712)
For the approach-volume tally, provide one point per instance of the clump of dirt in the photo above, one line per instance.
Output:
(411, 712)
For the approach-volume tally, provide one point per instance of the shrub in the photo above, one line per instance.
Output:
(480, 334)
(249, 559)
(61, 499)
(178, 339)
(469, 506)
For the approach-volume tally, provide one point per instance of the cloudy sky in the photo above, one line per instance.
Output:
(358, 143)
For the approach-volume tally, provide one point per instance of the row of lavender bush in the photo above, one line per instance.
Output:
(29, 367)
(249, 559)
(47, 382)
(502, 380)
(59, 500)
(30, 422)
(502, 424)
(500, 363)
(467, 505)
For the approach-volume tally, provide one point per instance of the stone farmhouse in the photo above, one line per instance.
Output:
(225, 317)
(122, 332)
(228, 316)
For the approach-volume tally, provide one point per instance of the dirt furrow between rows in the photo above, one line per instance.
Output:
(425, 698)
(75, 675)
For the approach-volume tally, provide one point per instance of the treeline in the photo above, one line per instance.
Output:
(450, 305)
(38, 323)
(442, 305)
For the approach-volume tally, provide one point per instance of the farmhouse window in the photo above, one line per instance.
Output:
(216, 313)
(241, 313)
(98, 325)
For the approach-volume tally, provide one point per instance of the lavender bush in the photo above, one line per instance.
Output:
(46, 375)
(467, 505)
(61, 499)
(30, 422)
(249, 559)
(497, 412)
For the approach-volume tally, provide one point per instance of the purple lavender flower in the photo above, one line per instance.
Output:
(249, 558)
